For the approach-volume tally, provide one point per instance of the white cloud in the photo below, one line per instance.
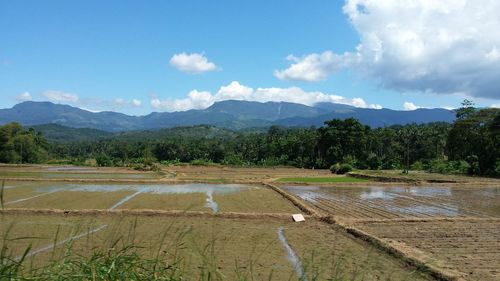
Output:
(192, 63)
(120, 103)
(496, 105)
(237, 91)
(136, 103)
(410, 106)
(442, 47)
(58, 96)
(195, 100)
(313, 67)
(26, 96)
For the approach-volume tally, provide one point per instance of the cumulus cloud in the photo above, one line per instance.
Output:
(237, 91)
(442, 47)
(120, 103)
(61, 97)
(496, 105)
(195, 100)
(313, 67)
(410, 106)
(26, 96)
(136, 103)
(192, 63)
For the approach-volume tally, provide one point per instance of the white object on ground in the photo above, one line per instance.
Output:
(298, 217)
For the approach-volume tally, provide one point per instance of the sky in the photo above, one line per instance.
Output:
(137, 57)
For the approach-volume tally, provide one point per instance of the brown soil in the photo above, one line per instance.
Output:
(257, 199)
(252, 246)
(74, 200)
(471, 246)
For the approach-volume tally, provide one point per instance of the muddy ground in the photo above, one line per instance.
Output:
(448, 223)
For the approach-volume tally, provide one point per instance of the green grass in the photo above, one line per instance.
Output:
(322, 180)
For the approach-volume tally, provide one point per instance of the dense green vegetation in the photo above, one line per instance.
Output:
(18, 145)
(470, 145)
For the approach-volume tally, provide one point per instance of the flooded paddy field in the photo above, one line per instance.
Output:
(389, 202)
(182, 197)
(455, 228)
(470, 246)
(252, 247)
(233, 226)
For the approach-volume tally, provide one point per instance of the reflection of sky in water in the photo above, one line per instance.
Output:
(308, 193)
(376, 193)
(403, 200)
(155, 189)
(394, 192)
(451, 211)
(208, 189)
(431, 191)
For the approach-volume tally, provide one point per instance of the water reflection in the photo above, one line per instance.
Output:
(208, 189)
(405, 201)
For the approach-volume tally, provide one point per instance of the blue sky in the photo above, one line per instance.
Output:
(119, 55)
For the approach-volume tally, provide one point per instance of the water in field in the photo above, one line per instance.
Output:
(98, 196)
(410, 201)
(148, 188)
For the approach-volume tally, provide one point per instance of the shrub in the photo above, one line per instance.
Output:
(344, 168)
(417, 166)
(373, 161)
(340, 169)
(449, 167)
(202, 162)
(497, 169)
(104, 161)
(461, 167)
(334, 168)
(233, 159)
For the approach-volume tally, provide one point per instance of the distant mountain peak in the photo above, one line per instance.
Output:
(232, 114)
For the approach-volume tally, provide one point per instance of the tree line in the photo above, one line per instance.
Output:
(470, 145)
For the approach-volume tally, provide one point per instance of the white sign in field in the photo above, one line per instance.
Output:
(298, 217)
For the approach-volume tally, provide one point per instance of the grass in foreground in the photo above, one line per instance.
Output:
(322, 180)
(143, 248)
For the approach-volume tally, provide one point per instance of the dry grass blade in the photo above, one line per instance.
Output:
(1, 193)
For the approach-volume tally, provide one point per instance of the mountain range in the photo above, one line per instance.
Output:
(229, 114)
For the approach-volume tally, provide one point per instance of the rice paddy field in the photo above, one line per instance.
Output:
(456, 228)
(225, 223)
(249, 245)
(379, 202)
(180, 197)
(70, 172)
